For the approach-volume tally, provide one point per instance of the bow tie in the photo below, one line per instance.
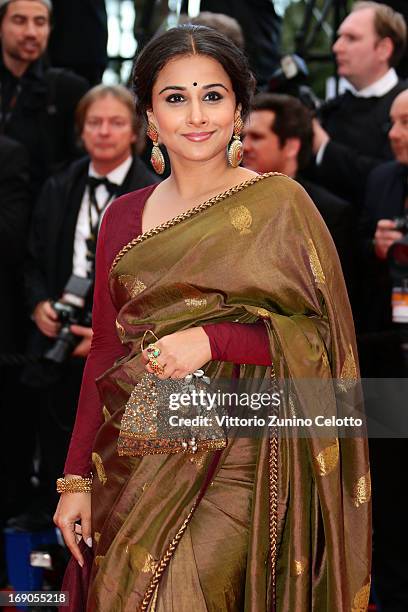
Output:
(93, 182)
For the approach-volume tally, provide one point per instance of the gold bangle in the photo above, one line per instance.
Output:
(74, 485)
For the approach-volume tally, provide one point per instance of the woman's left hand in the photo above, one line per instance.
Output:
(181, 353)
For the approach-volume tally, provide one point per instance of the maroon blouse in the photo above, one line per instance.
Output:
(236, 342)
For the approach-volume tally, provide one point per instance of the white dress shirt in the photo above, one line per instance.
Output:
(80, 265)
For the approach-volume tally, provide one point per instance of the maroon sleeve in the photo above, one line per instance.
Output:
(239, 342)
(105, 348)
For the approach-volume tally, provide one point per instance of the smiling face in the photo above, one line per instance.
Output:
(193, 108)
(361, 56)
(25, 30)
(108, 131)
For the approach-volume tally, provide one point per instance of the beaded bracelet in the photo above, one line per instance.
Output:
(74, 485)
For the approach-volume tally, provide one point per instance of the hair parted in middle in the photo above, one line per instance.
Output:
(188, 40)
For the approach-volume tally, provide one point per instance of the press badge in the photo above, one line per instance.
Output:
(399, 303)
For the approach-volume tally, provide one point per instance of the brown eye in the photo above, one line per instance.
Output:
(213, 96)
(175, 98)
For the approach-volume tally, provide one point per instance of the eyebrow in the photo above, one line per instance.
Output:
(179, 88)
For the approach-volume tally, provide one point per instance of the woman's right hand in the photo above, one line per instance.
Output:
(74, 507)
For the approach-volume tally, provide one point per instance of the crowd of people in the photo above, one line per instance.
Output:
(68, 150)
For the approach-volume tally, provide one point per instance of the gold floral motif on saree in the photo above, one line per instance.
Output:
(328, 459)
(133, 285)
(97, 536)
(188, 214)
(199, 459)
(315, 264)
(298, 566)
(241, 219)
(361, 599)
(141, 559)
(195, 303)
(348, 375)
(100, 470)
(106, 413)
(98, 560)
(262, 312)
(362, 490)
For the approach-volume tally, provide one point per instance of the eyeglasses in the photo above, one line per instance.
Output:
(95, 124)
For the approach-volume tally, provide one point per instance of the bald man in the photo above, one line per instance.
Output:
(381, 356)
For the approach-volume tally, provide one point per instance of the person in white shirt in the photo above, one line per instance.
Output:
(351, 137)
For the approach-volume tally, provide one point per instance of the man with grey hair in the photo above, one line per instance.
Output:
(37, 103)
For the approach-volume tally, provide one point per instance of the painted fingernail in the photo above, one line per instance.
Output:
(81, 563)
(89, 542)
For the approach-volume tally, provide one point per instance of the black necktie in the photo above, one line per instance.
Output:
(93, 183)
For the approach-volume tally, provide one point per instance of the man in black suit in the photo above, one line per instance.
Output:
(381, 356)
(278, 137)
(62, 242)
(37, 103)
(352, 138)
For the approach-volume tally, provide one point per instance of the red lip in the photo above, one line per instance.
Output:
(198, 136)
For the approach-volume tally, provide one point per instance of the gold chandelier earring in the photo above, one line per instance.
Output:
(156, 158)
(235, 150)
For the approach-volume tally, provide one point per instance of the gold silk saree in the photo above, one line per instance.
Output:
(268, 523)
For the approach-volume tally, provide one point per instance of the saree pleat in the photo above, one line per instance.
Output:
(194, 532)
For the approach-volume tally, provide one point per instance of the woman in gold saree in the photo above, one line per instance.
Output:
(246, 523)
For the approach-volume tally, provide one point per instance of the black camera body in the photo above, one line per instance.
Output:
(71, 310)
(401, 223)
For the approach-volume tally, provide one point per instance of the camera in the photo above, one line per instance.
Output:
(291, 78)
(401, 223)
(71, 310)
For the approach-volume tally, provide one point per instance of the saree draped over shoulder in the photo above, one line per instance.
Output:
(269, 523)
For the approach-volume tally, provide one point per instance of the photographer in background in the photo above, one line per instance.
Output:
(62, 243)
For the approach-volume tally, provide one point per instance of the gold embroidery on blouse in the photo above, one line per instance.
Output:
(146, 484)
(100, 470)
(348, 375)
(241, 219)
(315, 264)
(97, 536)
(328, 458)
(361, 599)
(106, 413)
(99, 559)
(195, 303)
(362, 490)
(133, 285)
